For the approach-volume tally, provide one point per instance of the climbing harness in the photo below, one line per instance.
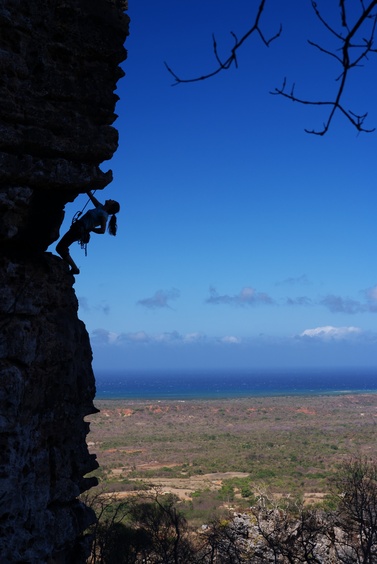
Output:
(85, 235)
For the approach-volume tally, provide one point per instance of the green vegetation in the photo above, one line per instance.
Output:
(157, 528)
(292, 445)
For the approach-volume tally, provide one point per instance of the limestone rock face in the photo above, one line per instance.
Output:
(59, 62)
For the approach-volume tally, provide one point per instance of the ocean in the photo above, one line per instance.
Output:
(228, 384)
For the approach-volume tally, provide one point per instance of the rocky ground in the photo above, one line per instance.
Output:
(291, 444)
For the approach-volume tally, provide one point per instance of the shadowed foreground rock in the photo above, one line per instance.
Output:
(59, 65)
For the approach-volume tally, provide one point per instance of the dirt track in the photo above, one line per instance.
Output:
(291, 444)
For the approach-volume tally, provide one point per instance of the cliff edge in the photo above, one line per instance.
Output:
(59, 64)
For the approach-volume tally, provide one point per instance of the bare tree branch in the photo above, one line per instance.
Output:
(347, 47)
(232, 59)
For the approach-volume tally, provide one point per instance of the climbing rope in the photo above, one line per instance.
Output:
(83, 242)
(78, 214)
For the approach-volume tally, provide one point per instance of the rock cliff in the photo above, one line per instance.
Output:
(59, 62)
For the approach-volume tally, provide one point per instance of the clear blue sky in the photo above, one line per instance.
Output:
(243, 241)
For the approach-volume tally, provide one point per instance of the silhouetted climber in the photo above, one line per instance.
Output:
(94, 220)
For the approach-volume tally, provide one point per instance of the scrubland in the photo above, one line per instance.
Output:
(226, 451)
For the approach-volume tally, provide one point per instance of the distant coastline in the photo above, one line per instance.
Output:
(232, 384)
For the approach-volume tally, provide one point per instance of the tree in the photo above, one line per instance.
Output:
(356, 483)
(108, 532)
(355, 42)
(151, 528)
(144, 528)
(165, 526)
(291, 532)
(225, 542)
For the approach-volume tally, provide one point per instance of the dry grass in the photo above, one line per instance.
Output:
(291, 444)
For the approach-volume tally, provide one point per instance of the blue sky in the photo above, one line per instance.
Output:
(243, 241)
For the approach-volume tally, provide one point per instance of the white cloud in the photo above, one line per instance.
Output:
(230, 339)
(160, 299)
(104, 337)
(84, 305)
(174, 339)
(337, 304)
(247, 296)
(168, 337)
(371, 295)
(300, 301)
(137, 337)
(194, 337)
(318, 346)
(330, 332)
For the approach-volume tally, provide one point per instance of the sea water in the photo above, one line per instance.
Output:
(222, 384)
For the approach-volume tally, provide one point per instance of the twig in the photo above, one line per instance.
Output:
(346, 62)
(232, 58)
